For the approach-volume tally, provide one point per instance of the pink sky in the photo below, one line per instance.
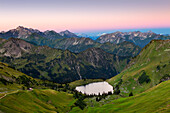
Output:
(85, 16)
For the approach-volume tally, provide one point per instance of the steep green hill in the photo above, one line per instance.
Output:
(11, 79)
(154, 100)
(14, 80)
(14, 96)
(148, 69)
(38, 100)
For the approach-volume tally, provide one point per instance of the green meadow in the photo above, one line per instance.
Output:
(38, 100)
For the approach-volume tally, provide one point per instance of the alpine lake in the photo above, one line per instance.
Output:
(95, 88)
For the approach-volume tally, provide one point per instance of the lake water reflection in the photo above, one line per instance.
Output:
(95, 88)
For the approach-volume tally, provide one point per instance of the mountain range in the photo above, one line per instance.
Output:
(60, 65)
(24, 33)
(77, 45)
(67, 40)
(137, 37)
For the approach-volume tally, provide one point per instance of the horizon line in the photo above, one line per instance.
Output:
(89, 31)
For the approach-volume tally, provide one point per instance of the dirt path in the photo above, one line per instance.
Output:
(9, 93)
(2, 96)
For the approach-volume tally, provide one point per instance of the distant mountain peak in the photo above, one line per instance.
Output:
(49, 31)
(149, 31)
(20, 27)
(117, 32)
(68, 34)
(67, 31)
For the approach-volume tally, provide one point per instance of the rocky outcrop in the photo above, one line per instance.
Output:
(15, 48)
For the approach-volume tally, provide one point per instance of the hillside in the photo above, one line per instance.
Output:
(57, 65)
(11, 79)
(38, 100)
(14, 80)
(146, 70)
(14, 96)
(154, 100)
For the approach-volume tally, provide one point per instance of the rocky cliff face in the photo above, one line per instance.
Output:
(75, 44)
(137, 37)
(14, 47)
(61, 66)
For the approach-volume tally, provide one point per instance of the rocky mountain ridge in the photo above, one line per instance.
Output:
(139, 38)
(24, 33)
(68, 41)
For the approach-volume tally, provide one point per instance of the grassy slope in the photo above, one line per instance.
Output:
(10, 80)
(7, 73)
(156, 99)
(37, 101)
(153, 55)
(13, 99)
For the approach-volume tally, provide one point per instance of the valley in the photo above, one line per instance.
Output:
(40, 74)
(58, 65)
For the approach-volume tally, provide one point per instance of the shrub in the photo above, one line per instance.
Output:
(80, 103)
(116, 90)
(131, 94)
(165, 78)
(144, 78)
(158, 67)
